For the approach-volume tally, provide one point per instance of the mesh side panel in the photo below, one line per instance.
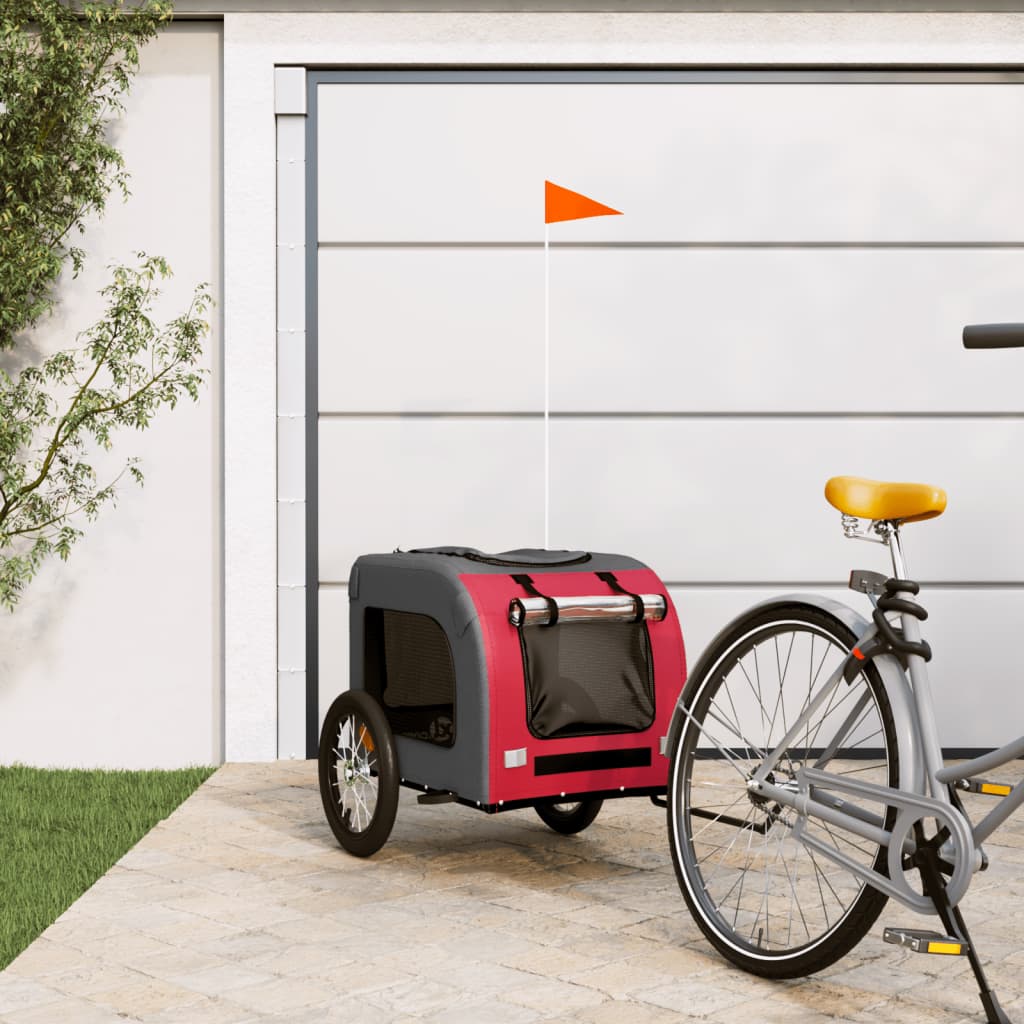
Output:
(418, 661)
(587, 678)
(409, 669)
(432, 724)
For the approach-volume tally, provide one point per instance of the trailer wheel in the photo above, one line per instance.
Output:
(358, 773)
(568, 817)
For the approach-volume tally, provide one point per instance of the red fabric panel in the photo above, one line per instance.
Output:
(507, 689)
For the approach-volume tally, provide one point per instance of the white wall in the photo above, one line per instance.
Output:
(115, 658)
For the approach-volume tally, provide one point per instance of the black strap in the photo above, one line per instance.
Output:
(527, 584)
(638, 601)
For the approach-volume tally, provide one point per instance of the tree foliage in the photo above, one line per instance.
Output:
(52, 415)
(64, 68)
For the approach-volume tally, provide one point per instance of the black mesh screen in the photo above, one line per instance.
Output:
(409, 668)
(586, 678)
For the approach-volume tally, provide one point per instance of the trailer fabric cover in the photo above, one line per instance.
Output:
(466, 692)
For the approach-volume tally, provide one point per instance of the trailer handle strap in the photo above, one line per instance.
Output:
(527, 584)
(638, 601)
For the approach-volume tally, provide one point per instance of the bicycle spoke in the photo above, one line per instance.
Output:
(739, 735)
(731, 758)
(866, 768)
(725, 852)
(743, 877)
(865, 850)
(718, 817)
(756, 693)
(820, 877)
(779, 703)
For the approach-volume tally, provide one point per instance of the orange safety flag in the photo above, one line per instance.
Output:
(563, 204)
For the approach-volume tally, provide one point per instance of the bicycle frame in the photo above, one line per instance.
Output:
(925, 782)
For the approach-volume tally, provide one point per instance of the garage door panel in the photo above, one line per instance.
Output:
(716, 500)
(959, 625)
(461, 330)
(720, 161)
(741, 499)
(387, 483)
(424, 329)
(777, 331)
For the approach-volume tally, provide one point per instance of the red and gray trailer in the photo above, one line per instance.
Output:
(541, 679)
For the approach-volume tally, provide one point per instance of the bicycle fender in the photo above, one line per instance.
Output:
(894, 679)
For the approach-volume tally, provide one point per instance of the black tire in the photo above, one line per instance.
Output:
(568, 817)
(358, 773)
(764, 900)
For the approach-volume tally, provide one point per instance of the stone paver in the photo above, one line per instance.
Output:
(241, 909)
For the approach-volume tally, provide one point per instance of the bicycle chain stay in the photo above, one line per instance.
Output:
(910, 809)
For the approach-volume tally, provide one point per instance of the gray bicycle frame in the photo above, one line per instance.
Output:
(924, 780)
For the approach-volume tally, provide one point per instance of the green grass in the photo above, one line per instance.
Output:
(61, 830)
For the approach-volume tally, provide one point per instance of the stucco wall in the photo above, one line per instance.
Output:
(114, 658)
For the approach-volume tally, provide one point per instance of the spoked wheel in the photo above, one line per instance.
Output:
(358, 773)
(768, 902)
(568, 817)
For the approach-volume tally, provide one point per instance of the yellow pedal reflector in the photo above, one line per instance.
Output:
(945, 948)
(994, 789)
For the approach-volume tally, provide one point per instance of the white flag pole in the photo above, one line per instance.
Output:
(547, 383)
(559, 204)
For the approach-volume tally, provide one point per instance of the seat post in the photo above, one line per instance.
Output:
(899, 564)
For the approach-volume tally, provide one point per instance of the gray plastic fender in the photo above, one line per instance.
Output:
(894, 679)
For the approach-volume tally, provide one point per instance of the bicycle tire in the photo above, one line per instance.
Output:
(735, 699)
(358, 771)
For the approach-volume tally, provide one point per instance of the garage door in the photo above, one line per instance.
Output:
(780, 302)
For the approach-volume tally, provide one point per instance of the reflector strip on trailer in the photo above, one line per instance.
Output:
(592, 760)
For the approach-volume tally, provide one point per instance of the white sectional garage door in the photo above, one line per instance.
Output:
(781, 301)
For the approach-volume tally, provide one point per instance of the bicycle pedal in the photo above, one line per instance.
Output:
(925, 942)
(984, 786)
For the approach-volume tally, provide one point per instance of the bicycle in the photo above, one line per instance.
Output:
(806, 781)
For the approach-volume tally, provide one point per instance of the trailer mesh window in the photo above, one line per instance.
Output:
(588, 678)
(409, 669)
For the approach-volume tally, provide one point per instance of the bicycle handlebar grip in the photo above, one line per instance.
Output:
(994, 336)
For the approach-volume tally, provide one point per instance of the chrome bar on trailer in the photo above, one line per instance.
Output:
(534, 611)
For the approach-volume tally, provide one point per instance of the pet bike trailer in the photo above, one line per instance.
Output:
(540, 679)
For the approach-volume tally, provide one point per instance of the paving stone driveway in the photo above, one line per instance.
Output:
(240, 907)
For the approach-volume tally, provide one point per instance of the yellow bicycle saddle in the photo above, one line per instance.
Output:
(873, 499)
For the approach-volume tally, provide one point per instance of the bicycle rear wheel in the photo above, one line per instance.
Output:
(766, 901)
